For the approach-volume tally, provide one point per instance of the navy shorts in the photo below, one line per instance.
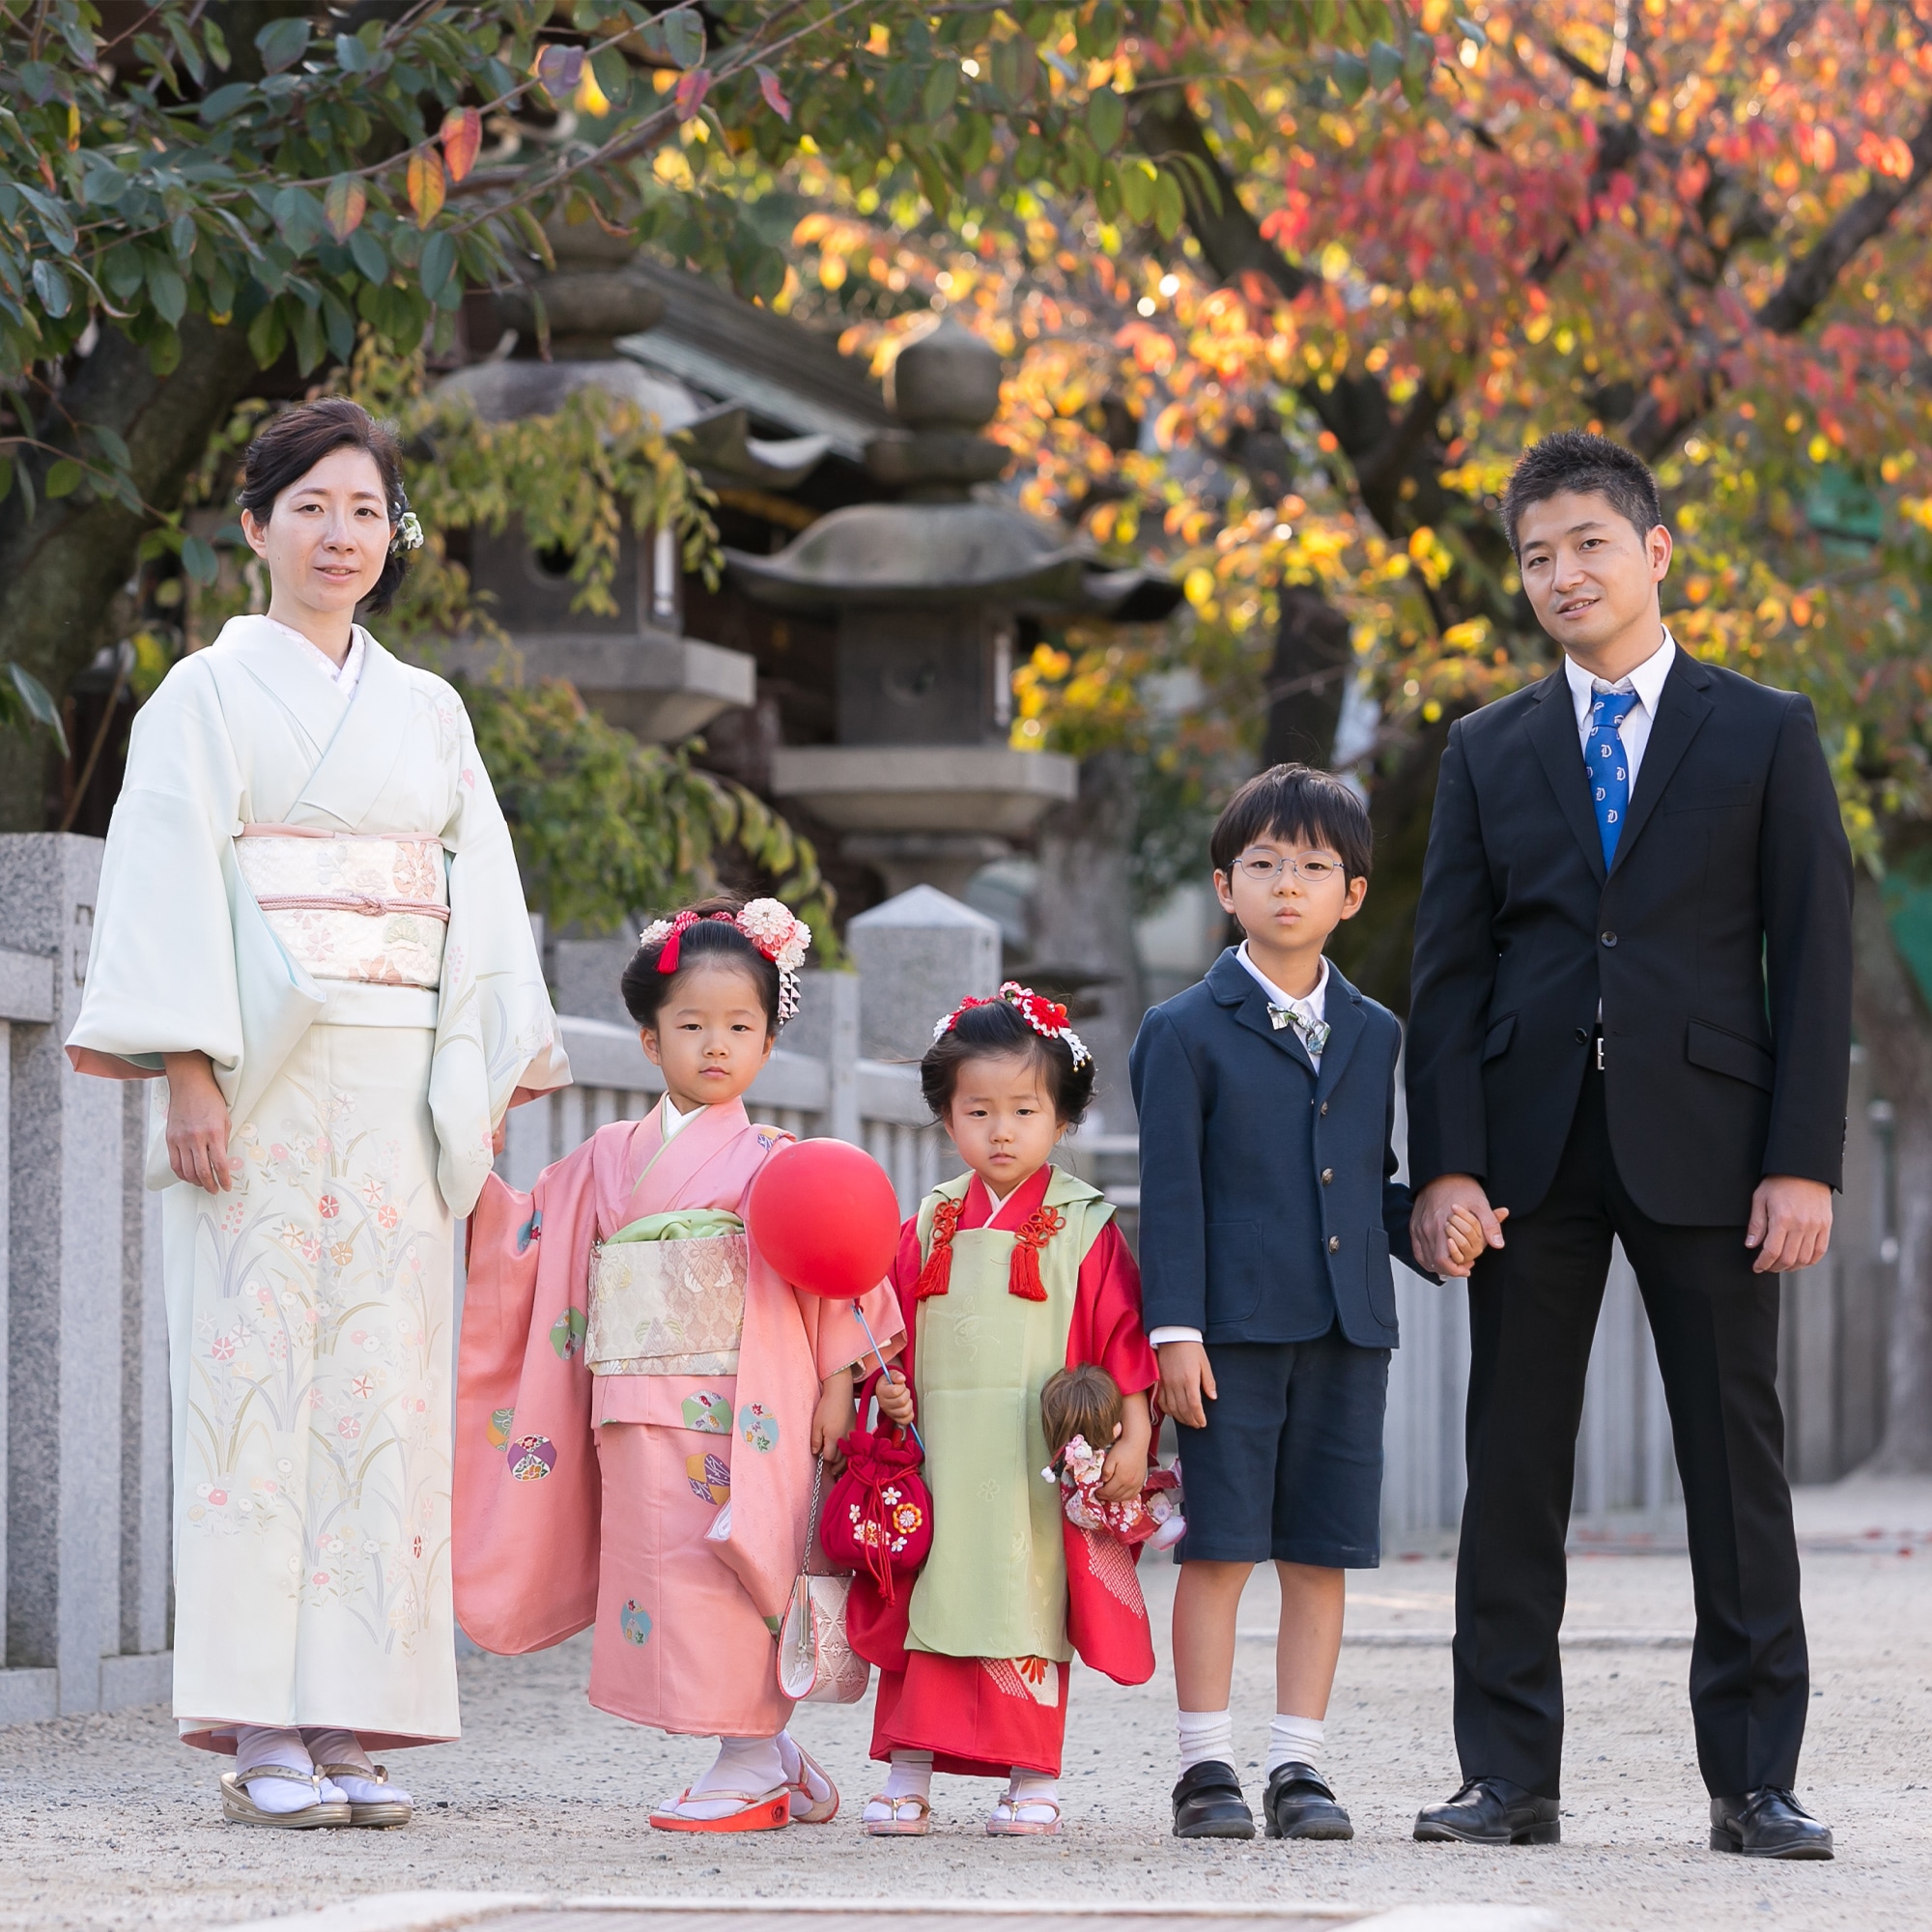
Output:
(1290, 1465)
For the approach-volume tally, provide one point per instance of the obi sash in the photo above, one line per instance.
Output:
(668, 1295)
(369, 909)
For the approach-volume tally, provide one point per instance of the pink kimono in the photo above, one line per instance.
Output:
(549, 1536)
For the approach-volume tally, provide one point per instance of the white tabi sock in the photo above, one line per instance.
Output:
(1206, 1737)
(1034, 1796)
(798, 1770)
(748, 1766)
(345, 1748)
(910, 1776)
(1295, 1741)
(257, 1745)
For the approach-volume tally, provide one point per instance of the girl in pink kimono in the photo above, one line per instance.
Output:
(640, 1397)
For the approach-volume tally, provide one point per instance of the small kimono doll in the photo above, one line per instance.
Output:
(1005, 1277)
(641, 1397)
(1078, 1409)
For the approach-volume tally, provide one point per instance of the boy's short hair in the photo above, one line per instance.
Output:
(1288, 801)
(1572, 459)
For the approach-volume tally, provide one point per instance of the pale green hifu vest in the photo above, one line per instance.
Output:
(995, 1585)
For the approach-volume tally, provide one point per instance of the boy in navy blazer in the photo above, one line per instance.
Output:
(1269, 1211)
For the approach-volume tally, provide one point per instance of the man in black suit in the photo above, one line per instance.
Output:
(1630, 1017)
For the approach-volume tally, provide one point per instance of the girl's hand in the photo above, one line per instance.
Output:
(1123, 1473)
(832, 1419)
(197, 1123)
(896, 1403)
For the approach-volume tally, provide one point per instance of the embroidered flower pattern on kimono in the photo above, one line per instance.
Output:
(532, 1458)
(635, 1621)
(710, 1478)
(759, 1427)
(707, 1413)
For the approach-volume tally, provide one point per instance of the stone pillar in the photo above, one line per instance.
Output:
(827, 1029)
(147, 1429)
(64, 1297)
(918, 956)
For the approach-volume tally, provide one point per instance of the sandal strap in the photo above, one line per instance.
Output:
(309, 1777)
(373, 1774)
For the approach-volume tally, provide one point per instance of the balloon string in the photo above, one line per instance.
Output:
(883, 1370)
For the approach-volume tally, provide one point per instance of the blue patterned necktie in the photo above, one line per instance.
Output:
(1313, 1033)
(1609, 767)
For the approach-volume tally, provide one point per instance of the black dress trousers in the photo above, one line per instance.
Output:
(1533, 1312)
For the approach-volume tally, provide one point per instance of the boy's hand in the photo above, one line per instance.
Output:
(1429, 1220)
(832, 1419)
(896, 1402)
(1186, 1378)
(1465, 1240)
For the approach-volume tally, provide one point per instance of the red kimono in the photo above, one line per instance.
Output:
(982, 1716)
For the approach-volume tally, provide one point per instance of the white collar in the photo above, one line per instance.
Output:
(347, 675)
(674, 1122)
(1646, 680)
(1311, 1006)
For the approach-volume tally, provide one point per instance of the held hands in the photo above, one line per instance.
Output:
(895, 1398)
(1185, 1378)
(197, 1123)
(1452, 1222)
(1790, 1223)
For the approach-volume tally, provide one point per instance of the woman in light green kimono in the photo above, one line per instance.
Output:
(310, 921)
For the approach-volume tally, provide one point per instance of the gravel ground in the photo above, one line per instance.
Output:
(110, 1823)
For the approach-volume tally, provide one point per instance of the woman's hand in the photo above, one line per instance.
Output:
(1124, 1474)
(832, 1419)
(896, 1403)
(197, 1123)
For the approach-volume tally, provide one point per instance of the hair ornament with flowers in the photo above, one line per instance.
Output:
(1048, 1017)
(771, 925)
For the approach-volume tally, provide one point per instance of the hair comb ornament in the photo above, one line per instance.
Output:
(772, 927)
(1048, 1017)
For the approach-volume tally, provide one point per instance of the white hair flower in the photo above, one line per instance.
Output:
(409, 532)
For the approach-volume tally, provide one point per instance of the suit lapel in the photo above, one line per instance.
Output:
(1552, 724)
(1681, 711)
(1347, 1024)
(1234, 986)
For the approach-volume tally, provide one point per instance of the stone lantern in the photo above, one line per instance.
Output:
(929, 594)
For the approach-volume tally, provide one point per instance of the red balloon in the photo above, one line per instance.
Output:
(825, 1217)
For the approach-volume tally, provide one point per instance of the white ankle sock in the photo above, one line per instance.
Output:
(1206, 1737)
(909, 1776)
(257, 1745)
(749, 1765)
(1295, 1741)
(337, 1746)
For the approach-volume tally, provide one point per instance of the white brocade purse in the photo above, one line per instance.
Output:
(817, 1664)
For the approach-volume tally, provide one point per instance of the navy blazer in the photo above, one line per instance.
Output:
(1269, 1207)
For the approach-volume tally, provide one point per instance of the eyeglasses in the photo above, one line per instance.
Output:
(1264, 871)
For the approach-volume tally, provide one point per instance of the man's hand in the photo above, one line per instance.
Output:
(1186, 1378)
(197, 1123)
(1790, 1223)
(1430, 1219)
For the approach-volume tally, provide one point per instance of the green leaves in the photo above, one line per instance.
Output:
(51, 287)
(1106, 119)
(25, 702)
(282, 42)
(199, 560)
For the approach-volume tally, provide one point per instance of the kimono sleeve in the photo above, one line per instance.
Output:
(1106, 1326)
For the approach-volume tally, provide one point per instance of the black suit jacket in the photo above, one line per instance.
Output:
(1269, 1200)
(1719, 945)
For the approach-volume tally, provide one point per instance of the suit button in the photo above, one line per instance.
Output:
(1327, 1176)
(1334, 1243)
(1324, 1107)
(1608, 938)
(1582, 1035)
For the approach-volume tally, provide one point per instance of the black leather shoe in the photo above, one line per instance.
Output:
(1207, 1803)
(1767, 1824)
(1299, 1804)
(1491, 1811)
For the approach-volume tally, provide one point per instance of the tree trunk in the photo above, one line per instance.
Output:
(1083, 921)
(1890, 1013)
(59, 570)
(1313, 663)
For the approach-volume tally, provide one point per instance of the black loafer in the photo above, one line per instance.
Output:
(1491, 1811)
(1207, 1803)
(1767, 1824)
(1299, 1804)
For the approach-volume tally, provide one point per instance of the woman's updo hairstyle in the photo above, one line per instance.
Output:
(994, 1029)
(709, 940)
(289, 445)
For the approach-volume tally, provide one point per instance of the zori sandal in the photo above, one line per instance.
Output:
(817, 1810)
(1007, 1822)
(239, 1809)
(760, 1811)
(379, 1813)
(898, 1824)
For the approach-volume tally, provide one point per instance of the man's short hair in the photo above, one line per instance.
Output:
(1571, 459)
(1295, 800)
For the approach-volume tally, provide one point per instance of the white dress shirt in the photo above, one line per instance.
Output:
(1312, 1006)
(347, 675)
(1646, 680)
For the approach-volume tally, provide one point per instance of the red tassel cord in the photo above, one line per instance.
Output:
(936, 1277)
(1023, 1274)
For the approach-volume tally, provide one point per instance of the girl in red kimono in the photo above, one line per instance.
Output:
(1004, 1276)
(641, 1395)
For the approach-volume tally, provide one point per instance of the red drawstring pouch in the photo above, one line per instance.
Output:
(879, 1518)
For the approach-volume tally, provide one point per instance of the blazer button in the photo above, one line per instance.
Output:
(1324, 1107)
(1334, 1243)
(1327, 1176)
(1582, 1035)
(1608, 938)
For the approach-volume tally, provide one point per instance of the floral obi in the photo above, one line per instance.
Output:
(351, 907)
(668, 1295)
